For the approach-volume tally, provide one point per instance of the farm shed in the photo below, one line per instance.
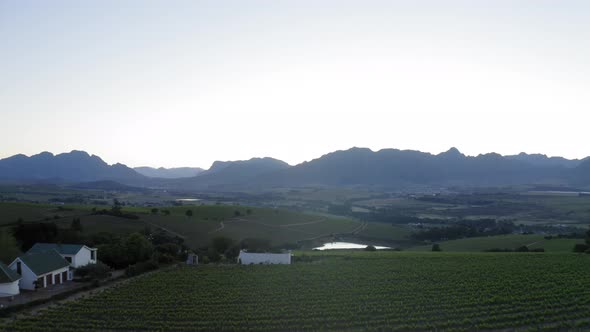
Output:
(192, 259)
(76, 254)
(264, 258)
(8, 281)
(44, 268)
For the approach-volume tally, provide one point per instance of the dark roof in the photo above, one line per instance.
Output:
(64, 249)
(44, 262)
(7, 275)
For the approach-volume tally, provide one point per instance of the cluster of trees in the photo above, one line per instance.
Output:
(226, 250)
(27, 234)
(465, 228)
(123, 251)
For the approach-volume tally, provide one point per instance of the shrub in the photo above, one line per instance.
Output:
(142, 267)
(436, 247)
(93, 271)
(581, 247)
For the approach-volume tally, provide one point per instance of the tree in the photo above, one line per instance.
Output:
(76, 225)
(189, 213)
(155, 211)
(222, 244)
(8, 247)
(237, 213)
(436, 247)
(248, 212)
(138, 248)
(93, 271)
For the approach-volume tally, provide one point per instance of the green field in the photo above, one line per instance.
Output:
(511, 241)
(393, 291)
(280, 226)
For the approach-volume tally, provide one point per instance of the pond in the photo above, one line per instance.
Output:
(345, 245)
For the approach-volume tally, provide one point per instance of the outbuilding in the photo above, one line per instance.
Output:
(8, 281)
(192, 259)
(41, 269)
(264, 258)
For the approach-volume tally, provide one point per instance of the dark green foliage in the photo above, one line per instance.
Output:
(125, 251)
(237, 213)
(76, 225)
(27, 234)
(155, 211)
(171, 249)
(141, 267)
(256, 245)
(581, 247)
(93, 271)
(436, 247)
(221, 244)
(8, 247)
(189, 213)
(522, 249)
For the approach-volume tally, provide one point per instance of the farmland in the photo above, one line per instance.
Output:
(343, 291)
(512, 241)
(280, 226)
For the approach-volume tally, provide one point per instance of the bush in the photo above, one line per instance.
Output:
(581, 247)
(436, 247)
(142, 267)
(93, 271)
(522, 249)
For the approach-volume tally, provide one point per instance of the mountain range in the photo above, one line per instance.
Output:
(384, 169)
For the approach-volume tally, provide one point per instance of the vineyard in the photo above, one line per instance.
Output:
(343, 291)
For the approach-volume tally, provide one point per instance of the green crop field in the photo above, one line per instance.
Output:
(280, 226)
(512, 241)
(393, 291)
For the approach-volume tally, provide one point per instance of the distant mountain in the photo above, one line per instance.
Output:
(233, 173)
(75, 166)
(169, 173)
(543, 160)
(391, 168)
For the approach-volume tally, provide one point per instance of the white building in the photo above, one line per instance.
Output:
(8, 281)
(192, 259)
(76, 254)
(41, 268)
(264, 258)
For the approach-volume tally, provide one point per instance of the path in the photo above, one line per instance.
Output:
(165, 229)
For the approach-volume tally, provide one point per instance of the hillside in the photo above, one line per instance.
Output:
(75, 166)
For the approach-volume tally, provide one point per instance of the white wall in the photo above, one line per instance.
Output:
(264, 258)
(9, 289)
(27, 276)
(82, 258)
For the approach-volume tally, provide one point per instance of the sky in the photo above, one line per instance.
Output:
(185, 83)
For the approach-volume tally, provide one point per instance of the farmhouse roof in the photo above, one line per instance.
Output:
(44, 262)
(64, 249)
(7, 275)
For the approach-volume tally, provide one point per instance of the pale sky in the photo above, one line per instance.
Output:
(184, 83)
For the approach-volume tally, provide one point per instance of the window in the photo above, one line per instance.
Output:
(19, 268)
(93, 255)
(69, 259)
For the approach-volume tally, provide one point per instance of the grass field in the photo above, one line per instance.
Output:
(207, 221)
(511, 241)
(393, 291)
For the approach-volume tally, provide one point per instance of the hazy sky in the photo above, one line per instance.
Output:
(184, 83)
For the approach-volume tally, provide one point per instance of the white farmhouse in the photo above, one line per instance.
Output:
(264, 258)
(76, 254)
(42, 268)
(8, 281)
